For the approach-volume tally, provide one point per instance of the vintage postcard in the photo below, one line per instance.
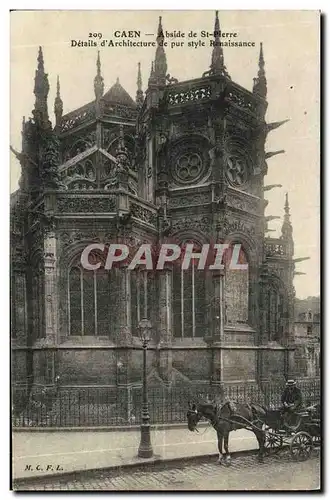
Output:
(165, 282)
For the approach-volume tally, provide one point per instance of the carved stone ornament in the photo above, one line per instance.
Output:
(143, 214)
(84, 142)
(236, 170)
(184, 96)
(190, 199)
(243, 202)
(48, 222)
(237, 161)
(188, 167)
(274, 249)
(234, 226)
(242, 100)
(50, 160)
(77, 117)
(190, 161)
(67, 238)
(183, 224)
(77, 205)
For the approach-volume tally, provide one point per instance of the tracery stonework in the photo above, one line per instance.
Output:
(237, 297)
(185, 164)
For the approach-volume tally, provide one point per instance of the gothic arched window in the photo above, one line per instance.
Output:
(92, 301)
(236, 288)
(142, 297)
(274, 313)
(189, 304)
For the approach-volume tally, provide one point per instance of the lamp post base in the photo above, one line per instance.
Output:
(145, 448)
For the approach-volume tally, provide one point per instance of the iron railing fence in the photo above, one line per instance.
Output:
(48, 406)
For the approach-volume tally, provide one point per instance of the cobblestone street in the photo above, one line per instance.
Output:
(245, 473)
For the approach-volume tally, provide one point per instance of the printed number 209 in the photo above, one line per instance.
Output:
(95, 35)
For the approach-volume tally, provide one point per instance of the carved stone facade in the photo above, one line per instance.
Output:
(186, 165)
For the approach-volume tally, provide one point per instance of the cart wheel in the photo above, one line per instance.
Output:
(273, 442)
(301, 446)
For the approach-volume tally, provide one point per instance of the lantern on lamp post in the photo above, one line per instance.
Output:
(145, 448)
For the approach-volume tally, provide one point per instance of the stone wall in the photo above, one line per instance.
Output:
(194, 364)
(239, 365)
(273, 365)
(87, 366)
(19, 370)
(121, 366)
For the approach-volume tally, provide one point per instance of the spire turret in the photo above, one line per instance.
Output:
(152, 74)
(58, 103)
(98, 80)
(139, 93)
(160, 67)
(260, 83)
(286, 206)
(217, 62)
(287, 227)
(41, 89)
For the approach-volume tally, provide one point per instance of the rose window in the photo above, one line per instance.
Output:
(189, 167)
(236, 170)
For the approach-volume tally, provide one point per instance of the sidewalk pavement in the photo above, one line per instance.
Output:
(72, 451)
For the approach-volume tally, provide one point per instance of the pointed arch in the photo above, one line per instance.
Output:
(91, 296)
(143, 293)
(189, 292)
(240, 285)
(276, 308)
(236, 287)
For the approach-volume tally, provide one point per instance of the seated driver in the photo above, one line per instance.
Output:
(291, 398)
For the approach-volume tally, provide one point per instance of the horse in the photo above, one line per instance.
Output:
(226, 418)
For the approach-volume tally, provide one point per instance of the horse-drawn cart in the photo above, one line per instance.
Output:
(301, 437)
(274, 430)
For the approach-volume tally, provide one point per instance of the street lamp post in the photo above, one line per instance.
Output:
(145, 448)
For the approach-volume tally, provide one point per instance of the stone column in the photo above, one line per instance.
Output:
(262, 328)
(218, 306)
(290, 315)
(19, 307)
(264, 314)
(289, 363)
(218, 325)
(45, 309)
(165, 323)
(50, 289)
(149, 168)
(253, 300)
(124, 327)
(222, 305)
(123, 360)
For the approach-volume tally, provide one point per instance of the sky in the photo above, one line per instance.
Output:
(291, 50)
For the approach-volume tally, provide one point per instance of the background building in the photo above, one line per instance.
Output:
(307, 337)
(184, 162)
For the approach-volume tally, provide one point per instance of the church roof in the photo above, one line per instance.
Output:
(118, 95)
